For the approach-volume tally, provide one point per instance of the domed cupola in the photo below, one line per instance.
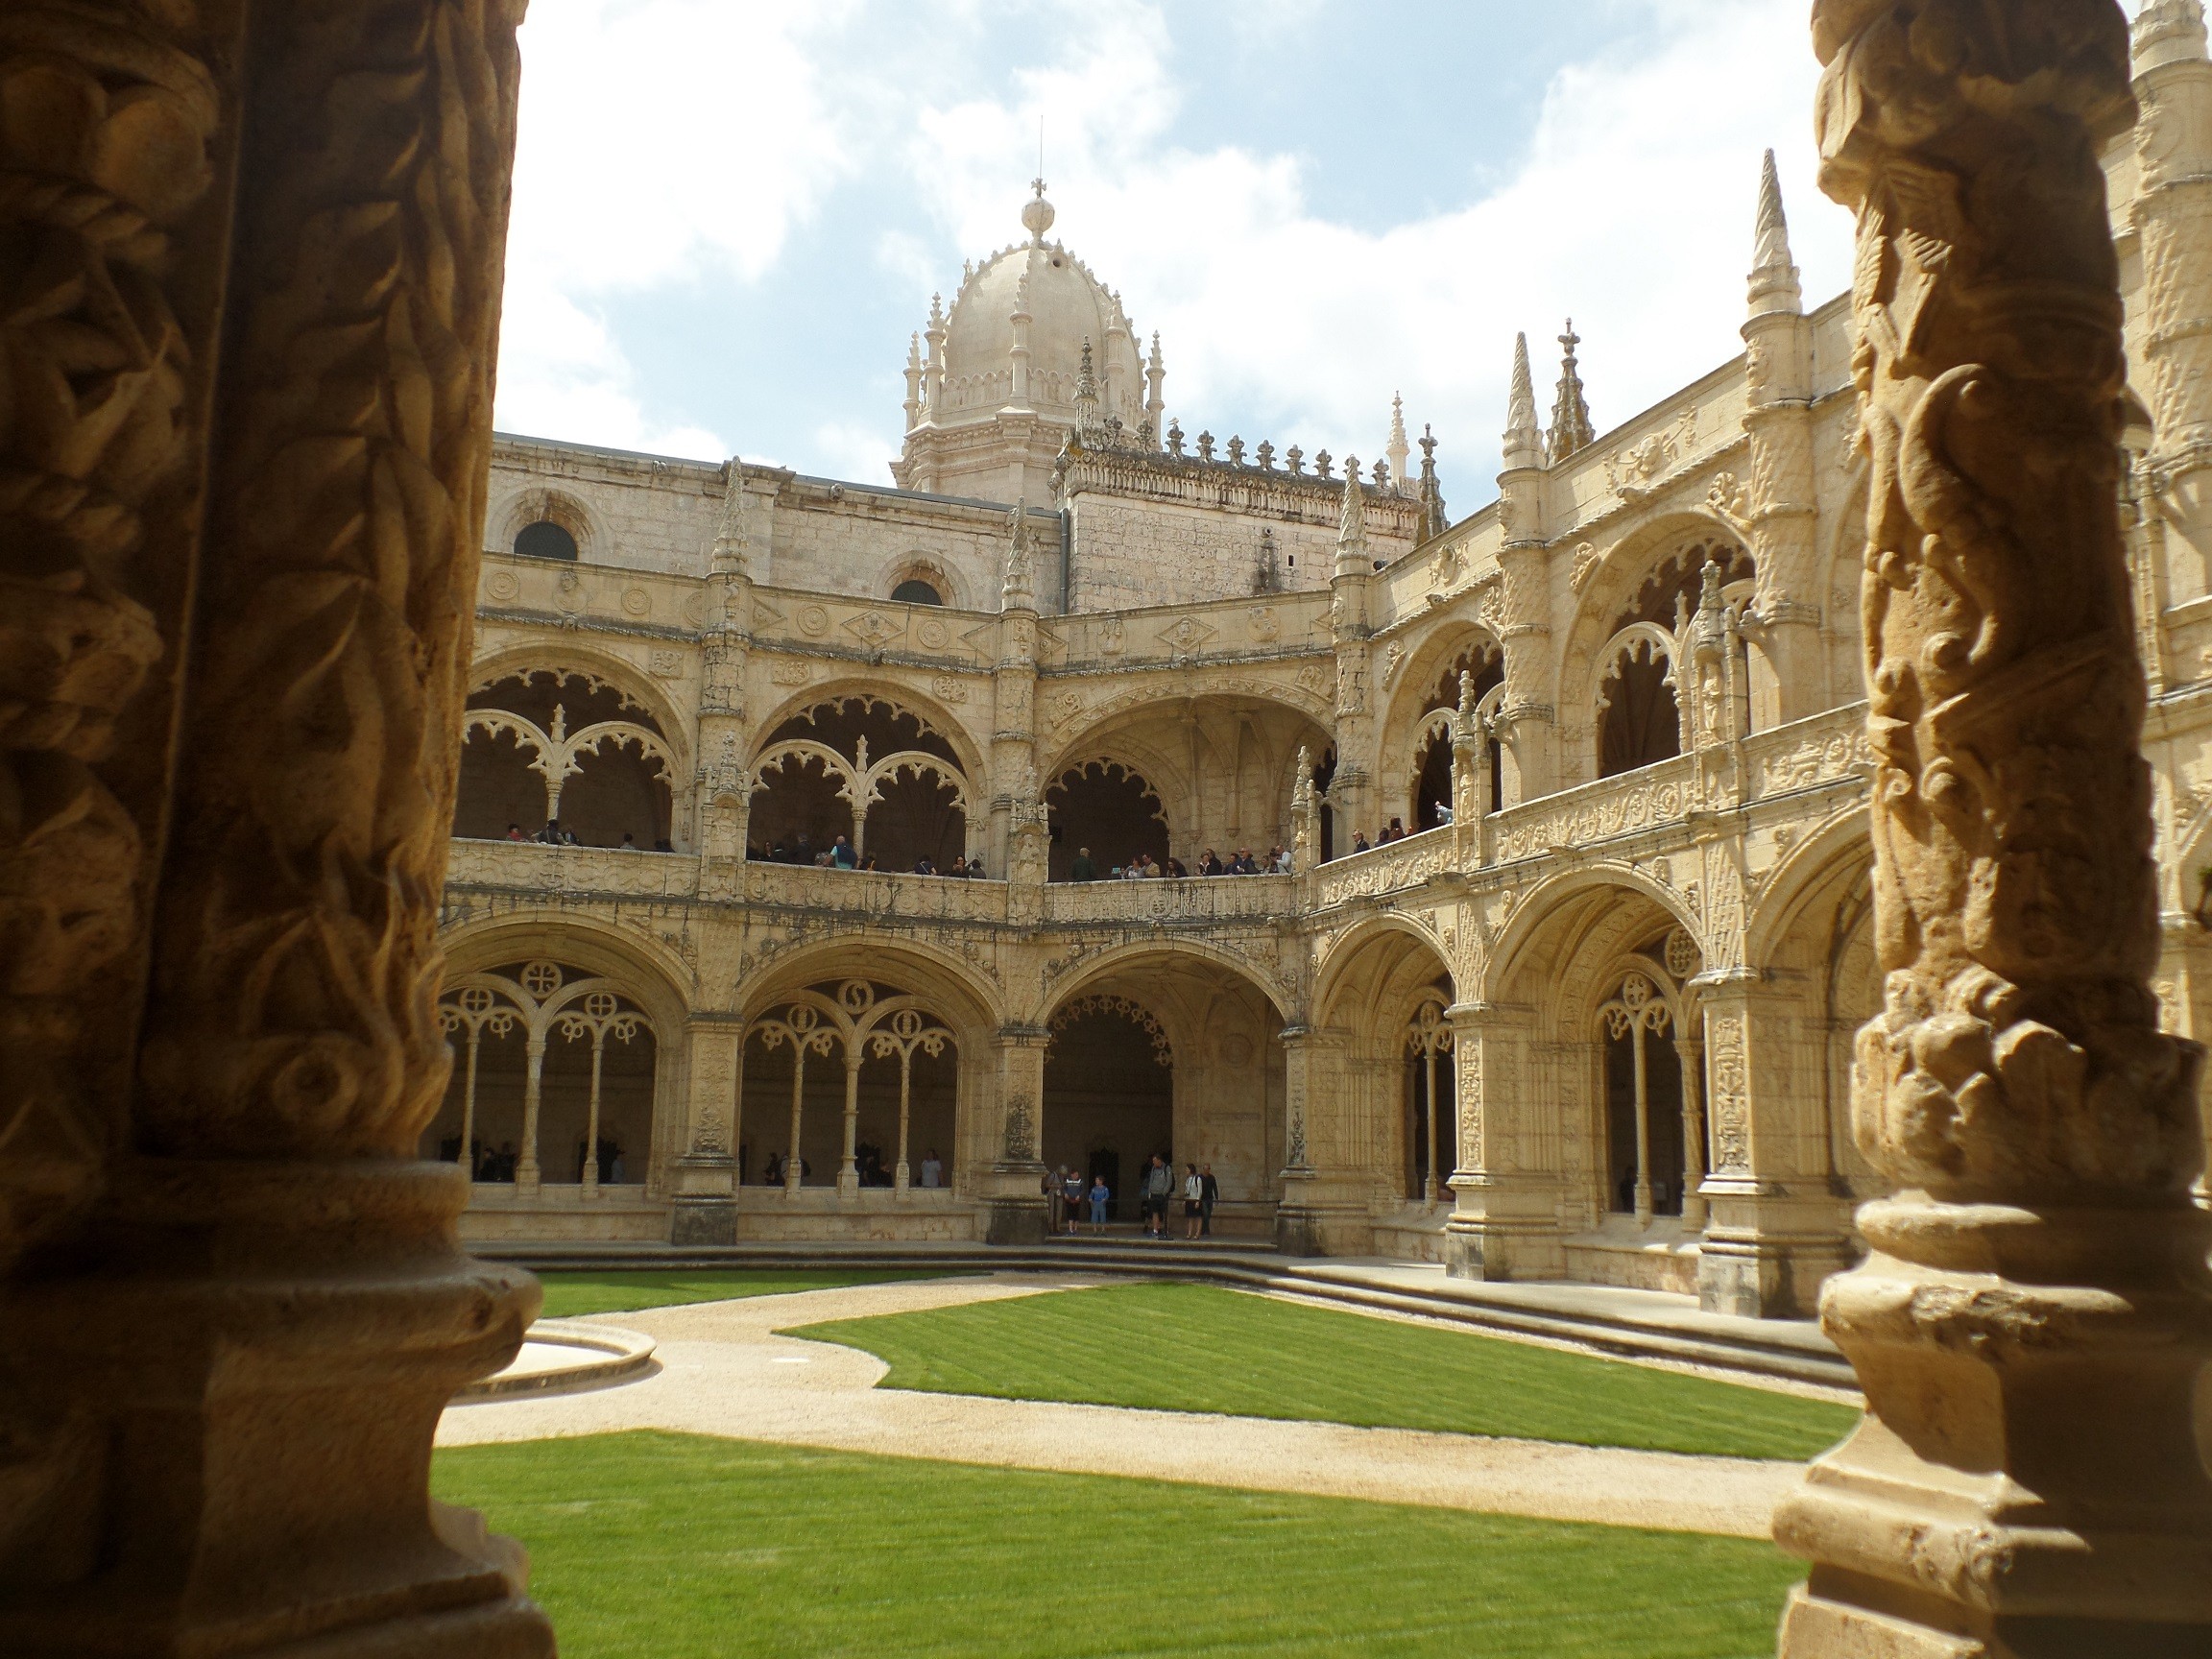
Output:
(989, 406)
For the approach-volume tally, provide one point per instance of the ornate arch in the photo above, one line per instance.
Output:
(1107, 1003)
(1085, 971)
(933, 716)
(595, 667)
(1551, 903)
(513, 513)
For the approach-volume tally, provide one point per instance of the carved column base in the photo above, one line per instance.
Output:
(1504, 1228)
(1323, 1216)
(2033, 1480)
(236, 1378)
(1768, 1248)
(704, 1206)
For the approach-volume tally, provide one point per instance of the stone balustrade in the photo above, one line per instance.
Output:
(1187, 899)
(534, 867)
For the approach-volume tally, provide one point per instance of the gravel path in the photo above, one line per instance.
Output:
(725, 1372)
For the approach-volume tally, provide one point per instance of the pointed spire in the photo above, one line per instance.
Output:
(1433, 521)
(1773, 275)
(1570, 414)
(1524, 441)
(1352, 529)
(1398, 449)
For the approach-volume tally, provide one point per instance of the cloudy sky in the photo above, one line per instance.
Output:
(729, 214)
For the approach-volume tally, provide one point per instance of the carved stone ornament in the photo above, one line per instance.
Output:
(2015, 1088)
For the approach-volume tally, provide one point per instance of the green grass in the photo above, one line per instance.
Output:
(667, 1547)
(1176, 1347)
(571, 1296)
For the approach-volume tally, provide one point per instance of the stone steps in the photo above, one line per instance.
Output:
(1644, 1324)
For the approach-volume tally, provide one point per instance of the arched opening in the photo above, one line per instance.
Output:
(1109, 810)
(553, 1078)
(1640, 719)
(552, 743)
(546, 540)
(905, 775)
(1643, 1129)
(1108, 1096)
(915, 591)
(1324, 775)
(1432, 1099)
(1433, 758)
(1173, 1056)
(860, 1076)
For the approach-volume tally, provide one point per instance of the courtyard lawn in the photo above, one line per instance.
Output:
(1175, 1347)
(668, 1547)
(574, 1295)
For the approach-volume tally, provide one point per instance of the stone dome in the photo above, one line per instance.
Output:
(1066, 306)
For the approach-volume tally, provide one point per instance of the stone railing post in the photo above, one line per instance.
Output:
(242, 487)
(2033, 1327)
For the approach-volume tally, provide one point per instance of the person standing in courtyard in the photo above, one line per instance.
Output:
(1209, 1195)
(1159, 1183)
(1071, 1197)
(1100, 1196)
(1193, 1201)
(933, 1170)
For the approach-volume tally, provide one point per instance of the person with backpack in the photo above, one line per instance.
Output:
(1159, 1182)
(1193, 1201)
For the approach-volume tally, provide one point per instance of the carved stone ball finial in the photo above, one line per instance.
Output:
(1037, 214)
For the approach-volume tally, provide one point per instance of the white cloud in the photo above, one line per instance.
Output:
(1632, 210)
(669, 141)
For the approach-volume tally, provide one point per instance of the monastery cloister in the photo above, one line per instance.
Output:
(406, 834)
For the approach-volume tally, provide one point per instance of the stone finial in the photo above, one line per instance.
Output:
(1037, 214)
(1235, 452)
(1265, 456)
(1523, 438)
(731, 544)
(1175, 439)
(1398, 449)
(1018, 592)
(1382, 476)
(1086, 376)
(1352, 528)
(937, 311)
(1295, 457)
(1205, 445)
(1322, 464)
(1773, 275)
(1433, 516)
(1571, 428)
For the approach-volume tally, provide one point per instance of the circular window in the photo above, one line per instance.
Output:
(544, 539)
(916, 591)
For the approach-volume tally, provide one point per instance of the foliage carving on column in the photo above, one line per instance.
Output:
(2016, 909)
(295, 985)
(105, 152)
(1731, 1100)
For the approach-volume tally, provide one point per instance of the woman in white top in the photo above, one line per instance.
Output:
(1193, 1200)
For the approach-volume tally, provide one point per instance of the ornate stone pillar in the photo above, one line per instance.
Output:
(1350, 793)
(1014, 782)
(1325, 1197)
(1506, 1218)
(2034, 1326)
(1775, 1227)
(1018, 1210)
(723, 786)
(704, 1206)
(235, 636)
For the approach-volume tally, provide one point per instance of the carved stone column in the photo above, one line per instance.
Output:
(234, 634)
(2034, 1326)
(1506, 1218)
(1325, 1198)
(1018, 1210)
(1774, 1228)
(705, 1207)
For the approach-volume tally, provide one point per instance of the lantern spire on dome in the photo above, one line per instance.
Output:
(1037, 214)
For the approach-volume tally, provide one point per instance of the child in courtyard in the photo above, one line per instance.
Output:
(1071, 1195)
(1100, 1196)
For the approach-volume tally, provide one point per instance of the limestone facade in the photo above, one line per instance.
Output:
(1635, 674)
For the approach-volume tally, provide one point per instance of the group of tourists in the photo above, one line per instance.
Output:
(1144, 867)
(1396, 830)
(1070, 1198)
(558, 834)
(868, 1163)
(840, 854)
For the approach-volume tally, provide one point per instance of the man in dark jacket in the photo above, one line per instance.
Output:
(1082, 870)
(1209, 1195)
